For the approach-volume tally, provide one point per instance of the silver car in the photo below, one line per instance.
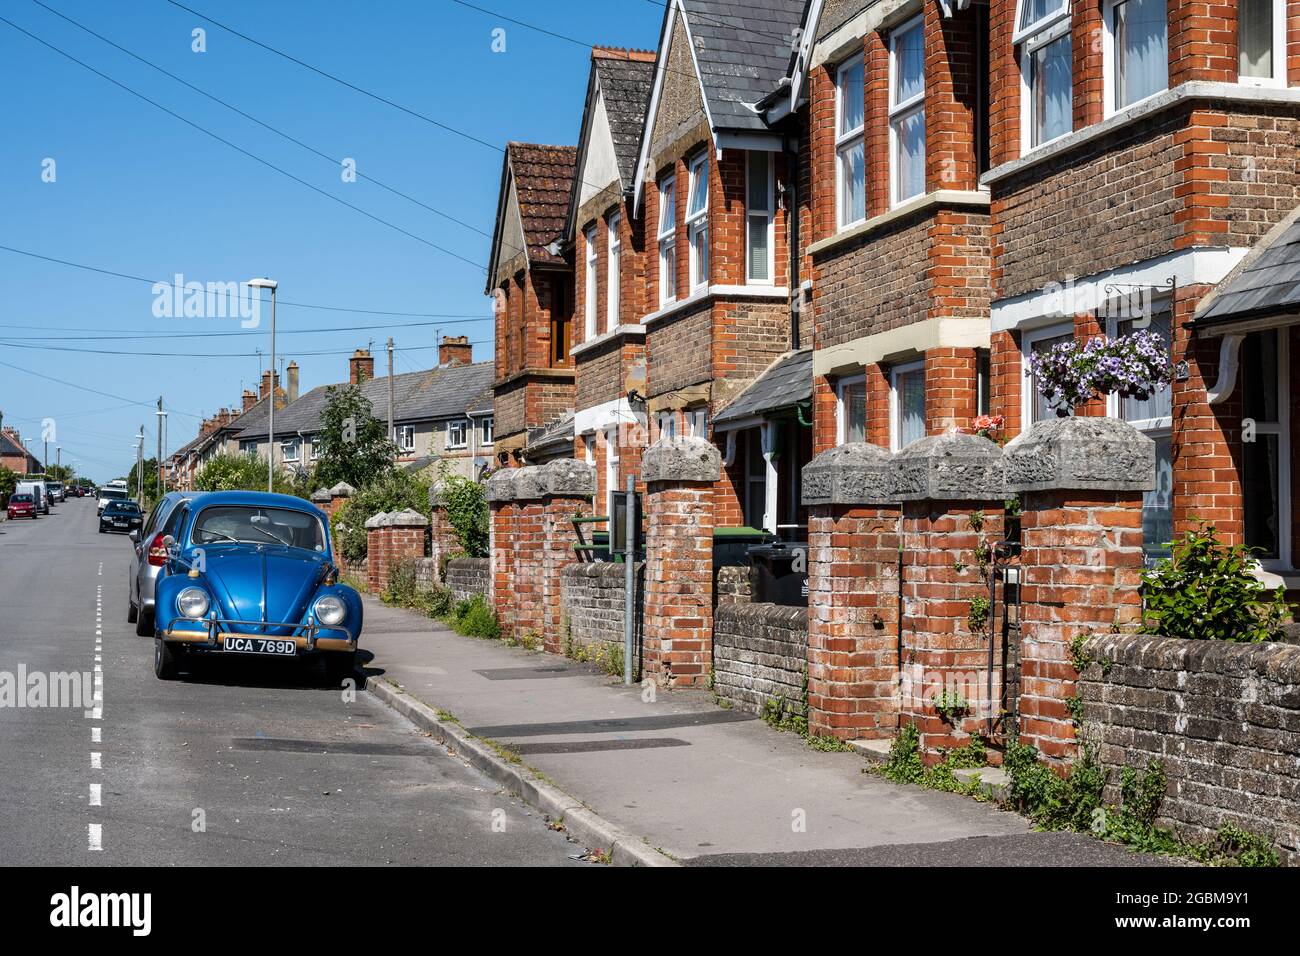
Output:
(149, 555)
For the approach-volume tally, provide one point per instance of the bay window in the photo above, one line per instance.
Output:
(612, 272)
(852, 425)
(850, 159)
(1043, 34)
(1266, 446)
(667, 236)
(589, 283)
(1261, 42)
(697, 220)
(907, 401)
(907, 111)
(1035, 406)
(759, 207)
(1136, 51)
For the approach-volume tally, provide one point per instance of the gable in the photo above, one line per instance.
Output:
(512, 238)
(599, 163)
(681, 101)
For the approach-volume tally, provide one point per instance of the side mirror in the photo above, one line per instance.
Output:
(168, 542)
(134, 536)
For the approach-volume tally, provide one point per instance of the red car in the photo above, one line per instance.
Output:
(22, 506)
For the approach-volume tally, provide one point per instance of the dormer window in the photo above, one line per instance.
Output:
(1043, 36)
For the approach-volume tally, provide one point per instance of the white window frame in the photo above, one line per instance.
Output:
(895, 406)
(611, 469)
(1027, 340)
(248, 447)
(697, 224)
(406, 437)
(1032, 38)
(487, 431)
(900, 112)
(1282, 429)
(847, 140)
(313, 440)
(667, 239)
(1279, 77)
(291, 443)
(1110, 81)
(842, 407)
(767, 217)
(589, 449)
(667, 424)
(613, 276)
(589, 283)
(697, 422)
(457, 425)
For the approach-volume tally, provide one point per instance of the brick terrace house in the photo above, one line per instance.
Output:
(608, 242)
(714, 185)
(531, 282)
(14, 454)
(1138, 150)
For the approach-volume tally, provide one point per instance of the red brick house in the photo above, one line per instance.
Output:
(14, 454)
(609, 252)
(532, 280)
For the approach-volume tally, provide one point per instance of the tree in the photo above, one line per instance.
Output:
(394, 491)
(152, 486)
(64, 473)
(241, 473)
(353, 443)
(8, 481)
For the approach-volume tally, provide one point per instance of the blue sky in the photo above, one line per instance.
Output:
(137, 191)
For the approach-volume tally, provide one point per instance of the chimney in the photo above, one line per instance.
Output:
(455, 350)
(361, 367)
(249, 400)
(266, 385)
(291, 375)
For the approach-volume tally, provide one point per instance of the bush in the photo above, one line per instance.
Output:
(474, 618)
(467, 510)
(1205, 591)
(393, 492)
(242, 473)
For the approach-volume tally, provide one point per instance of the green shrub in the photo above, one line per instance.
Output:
(401, 584)
(467, 511)
(474, 618)
(394, 491)
(1205, 591)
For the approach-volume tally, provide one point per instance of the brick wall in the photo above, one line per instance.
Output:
(759, 654)
(593, 597)
(468, 577)
(733, 584)
(678, 351)
(386, 546)
(1223, 719)
(679, 579)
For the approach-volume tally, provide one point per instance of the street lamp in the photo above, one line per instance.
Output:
(270, 420)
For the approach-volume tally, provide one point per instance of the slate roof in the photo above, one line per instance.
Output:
(481, 404)
(786, 382)
(10, 447)
(1267, 281)
(436, 393)
(626, 78)
(554, 439)
(543, 177)
(743, 48)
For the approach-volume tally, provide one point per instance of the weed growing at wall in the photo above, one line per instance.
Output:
(904, 764)
(474, 618)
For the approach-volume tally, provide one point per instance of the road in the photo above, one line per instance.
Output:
(236, 766)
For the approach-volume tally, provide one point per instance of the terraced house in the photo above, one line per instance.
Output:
(531, 281)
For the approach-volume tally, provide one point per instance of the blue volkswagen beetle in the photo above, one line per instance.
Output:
(252, 573)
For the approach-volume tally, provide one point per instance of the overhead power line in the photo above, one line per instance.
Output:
(241, 150)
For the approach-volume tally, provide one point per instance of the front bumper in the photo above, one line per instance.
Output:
(207, 634)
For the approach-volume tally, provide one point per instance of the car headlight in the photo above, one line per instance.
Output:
(193, 602)
(330, 610)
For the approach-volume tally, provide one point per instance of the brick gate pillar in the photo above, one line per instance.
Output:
(852, 593)
(391, 538)
(678, 622)
(500, 494)
(443, 542)
(528, 541)
(1080, 482)
(951, 491)
(568, 485)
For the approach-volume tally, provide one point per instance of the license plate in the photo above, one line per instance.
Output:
(260, 645)
(119, 524)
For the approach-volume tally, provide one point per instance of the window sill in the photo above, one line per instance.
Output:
(923, 203)
(618, 332)
(709, 293)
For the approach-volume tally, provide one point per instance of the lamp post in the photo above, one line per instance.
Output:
(270, 418)
(139, 467)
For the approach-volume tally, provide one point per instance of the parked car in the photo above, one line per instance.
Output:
(56, 491)
(150, 554)
(253, 573)
(122, 517)
(21, 506)
(39, 494)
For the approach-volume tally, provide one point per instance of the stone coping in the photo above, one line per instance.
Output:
(856, 473)
(1274, 660)
(681, 459)
(406, 518)
(562, 478)
(1080, 454)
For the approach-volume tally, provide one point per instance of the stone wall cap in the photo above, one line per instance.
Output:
(1081, 454)
(954, 466)
(681, 459)
(321, 494)
(569, 477)
(377, 521)
(501, 485)
(855, 473)
(342, 490)
(530, 483)
(406, 518)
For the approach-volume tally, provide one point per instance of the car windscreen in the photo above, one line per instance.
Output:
(115, 495)
(20, 499)
(122, 508)
(254, 525)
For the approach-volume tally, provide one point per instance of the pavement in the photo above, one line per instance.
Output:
(698, 784)
(233, 765)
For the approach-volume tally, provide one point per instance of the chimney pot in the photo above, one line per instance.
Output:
(455, 350)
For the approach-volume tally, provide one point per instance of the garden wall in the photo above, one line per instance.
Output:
(467, 577)
(1223, 719)
(592, 596)
(760, 653)
(733, 584)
